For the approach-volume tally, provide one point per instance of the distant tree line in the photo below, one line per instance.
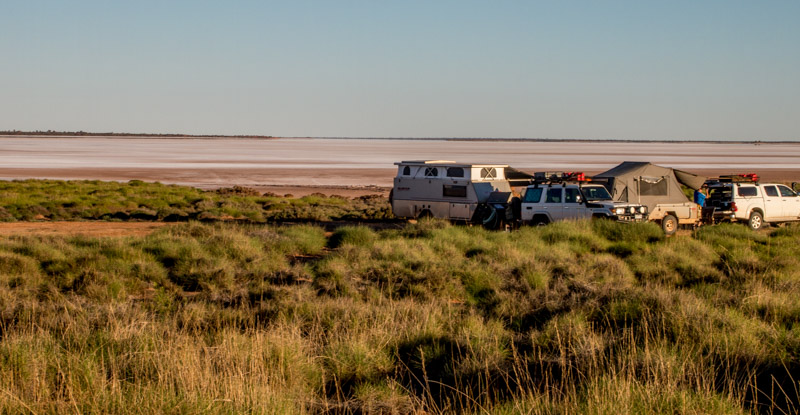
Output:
(113, 134)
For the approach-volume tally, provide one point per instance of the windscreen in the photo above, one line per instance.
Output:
(596, 193)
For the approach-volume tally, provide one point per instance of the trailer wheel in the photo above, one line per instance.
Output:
(756, 221)
(669, 224)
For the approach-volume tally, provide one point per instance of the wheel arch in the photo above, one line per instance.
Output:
(541, 215)
(758, 210)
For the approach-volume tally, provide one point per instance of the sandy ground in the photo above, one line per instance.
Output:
(96, 229)
(354, 167)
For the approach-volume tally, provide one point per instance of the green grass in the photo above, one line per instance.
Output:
(579, 317)
(26, 200)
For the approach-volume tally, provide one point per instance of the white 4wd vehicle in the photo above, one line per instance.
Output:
(545, 203)
(753, 203)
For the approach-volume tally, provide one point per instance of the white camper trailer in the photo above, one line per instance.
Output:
(445, 189)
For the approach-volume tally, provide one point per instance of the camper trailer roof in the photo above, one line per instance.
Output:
(447, 162)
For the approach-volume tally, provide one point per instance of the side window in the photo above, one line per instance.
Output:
(746, 191)
(455, 172)
(488, 173)
(771, 190)
(786, 192)
(454, 191)
(431, 172)
(571, 195)
(553, 195)
(406, 171)
(533, 195)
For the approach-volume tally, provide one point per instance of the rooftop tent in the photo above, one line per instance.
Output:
(648, 184)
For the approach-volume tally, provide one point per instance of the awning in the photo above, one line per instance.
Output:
(690, 180)
(517, 177)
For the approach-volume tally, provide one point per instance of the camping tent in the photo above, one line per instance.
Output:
(648, 184)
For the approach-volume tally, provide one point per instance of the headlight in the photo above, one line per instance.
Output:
(631, 209)
(619, 211)
(642, 209)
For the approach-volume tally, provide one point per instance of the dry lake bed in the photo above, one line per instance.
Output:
(356, 164)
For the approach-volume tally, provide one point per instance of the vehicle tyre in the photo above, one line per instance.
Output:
(539, 221)
(756, 221)
(669, 224)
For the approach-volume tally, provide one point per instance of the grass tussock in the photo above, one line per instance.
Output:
(576, 317)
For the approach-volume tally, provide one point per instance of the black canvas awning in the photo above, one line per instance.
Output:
(518, 177)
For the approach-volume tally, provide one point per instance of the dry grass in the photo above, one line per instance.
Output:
(586, 317)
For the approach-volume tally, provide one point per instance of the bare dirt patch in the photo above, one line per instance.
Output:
(97, 229)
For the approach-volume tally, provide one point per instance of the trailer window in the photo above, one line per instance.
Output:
(489, 173)
(553, 196)
(454, 191)
(406, 171)
(771, 190)
(533, 195)
(431, 172)
(455, 172)
(747, 191)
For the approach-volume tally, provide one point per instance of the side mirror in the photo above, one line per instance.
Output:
(578, 199)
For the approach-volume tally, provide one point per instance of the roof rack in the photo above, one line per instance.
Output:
(559, 177)
(739, 178)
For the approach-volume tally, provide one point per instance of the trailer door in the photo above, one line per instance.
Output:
(459, 211)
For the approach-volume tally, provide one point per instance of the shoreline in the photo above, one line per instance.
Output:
(118, 136)
(296, 183)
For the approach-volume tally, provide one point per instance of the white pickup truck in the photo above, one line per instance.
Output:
(751, 202)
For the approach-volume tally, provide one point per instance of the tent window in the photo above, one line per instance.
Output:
(489, 173)
(454, 191)
(431, 172)
(406, 171)
(652, 186)
(455, 172)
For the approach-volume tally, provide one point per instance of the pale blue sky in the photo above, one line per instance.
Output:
(718, 70)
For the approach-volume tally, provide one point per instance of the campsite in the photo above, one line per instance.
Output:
(326, 304)
(399, 207)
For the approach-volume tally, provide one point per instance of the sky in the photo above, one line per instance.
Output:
(651, 70)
